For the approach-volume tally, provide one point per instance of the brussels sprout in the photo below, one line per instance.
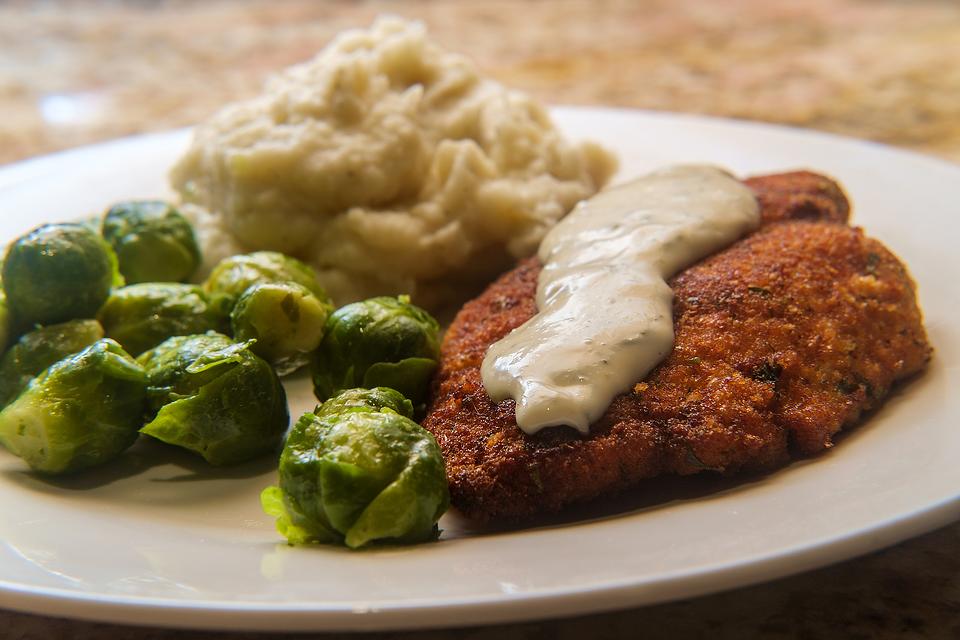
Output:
(42, 347)
(80, 412)
(6, 322)
(380, 342)
(215, 397)
(234, 275)
(7, 329)
(285, 319)
(153, 241)
(58, 272)
(141, 316)
(358, 475)
(376, 399)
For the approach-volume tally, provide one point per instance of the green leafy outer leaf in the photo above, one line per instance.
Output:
(42, 347)
(214, 397)
(363, 476)
(58, 272)
(141, 316)
(152, 240)
(410, 376)
(286, 320)
(215, 358)
(271, 499)
(377, 333)
(82, 411)
(404, 511)
(180, 365)
(299, 485)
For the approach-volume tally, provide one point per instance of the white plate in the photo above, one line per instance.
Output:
(174, 545)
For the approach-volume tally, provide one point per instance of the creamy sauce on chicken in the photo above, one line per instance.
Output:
(605, 310)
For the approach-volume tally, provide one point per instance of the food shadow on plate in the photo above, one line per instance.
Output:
(157, 461)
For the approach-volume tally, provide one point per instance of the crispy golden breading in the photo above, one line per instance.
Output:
(781, 340)
(799, 195)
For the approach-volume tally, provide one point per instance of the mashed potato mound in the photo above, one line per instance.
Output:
(389, 164)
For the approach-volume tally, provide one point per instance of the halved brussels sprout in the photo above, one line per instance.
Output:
(215, 397)
(58, 272)
(285, 319)
(356, 474)
(153, 241)
(40, 348)
(80, 412)
(380, 342)
(234, 275)
(141, 316)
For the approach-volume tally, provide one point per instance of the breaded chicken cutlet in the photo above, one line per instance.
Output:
(782, 339)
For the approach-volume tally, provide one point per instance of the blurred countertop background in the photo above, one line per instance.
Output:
(74, 73)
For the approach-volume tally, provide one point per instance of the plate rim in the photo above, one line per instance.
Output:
(461, 612)
(506, 608)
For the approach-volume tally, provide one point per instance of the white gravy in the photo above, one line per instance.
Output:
(605, 311)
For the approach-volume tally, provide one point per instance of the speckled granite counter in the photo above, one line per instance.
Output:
(78, 72)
